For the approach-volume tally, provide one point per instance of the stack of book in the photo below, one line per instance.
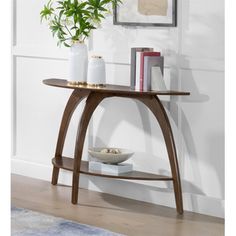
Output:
(143, 63)
(110, 168)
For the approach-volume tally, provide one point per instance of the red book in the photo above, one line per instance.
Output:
(142, 55)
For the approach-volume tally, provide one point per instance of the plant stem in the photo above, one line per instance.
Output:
(84, 38)
(68, 30)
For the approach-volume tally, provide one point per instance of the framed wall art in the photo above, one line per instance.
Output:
(161, 13)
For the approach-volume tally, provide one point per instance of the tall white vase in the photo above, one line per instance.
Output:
(78, 62)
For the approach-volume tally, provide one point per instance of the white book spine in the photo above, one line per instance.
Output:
(137, 77)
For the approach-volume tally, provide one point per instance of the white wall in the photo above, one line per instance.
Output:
(194, 61)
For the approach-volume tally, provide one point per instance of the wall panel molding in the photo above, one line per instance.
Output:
(185, 63)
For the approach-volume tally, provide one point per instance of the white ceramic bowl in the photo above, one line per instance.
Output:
(110, 158)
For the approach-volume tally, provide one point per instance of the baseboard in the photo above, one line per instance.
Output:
(160, 196)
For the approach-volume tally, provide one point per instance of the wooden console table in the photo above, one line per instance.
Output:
(94, 97)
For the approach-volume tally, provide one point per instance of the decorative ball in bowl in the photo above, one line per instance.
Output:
(110, 155)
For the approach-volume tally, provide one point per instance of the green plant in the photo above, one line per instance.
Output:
(73, 20)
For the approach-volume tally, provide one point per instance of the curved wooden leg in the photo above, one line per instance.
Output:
(76, 97)
(155, 105)
(91, 103)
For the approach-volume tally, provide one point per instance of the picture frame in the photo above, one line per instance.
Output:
(152, 13)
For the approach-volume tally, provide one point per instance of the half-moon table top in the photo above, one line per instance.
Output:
(110, 88)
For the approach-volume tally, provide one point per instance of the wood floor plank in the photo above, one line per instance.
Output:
(122, 215)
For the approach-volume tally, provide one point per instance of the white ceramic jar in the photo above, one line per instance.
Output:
(96, 71)
(78, 62)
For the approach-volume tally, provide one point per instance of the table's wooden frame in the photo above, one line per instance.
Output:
(94, 97)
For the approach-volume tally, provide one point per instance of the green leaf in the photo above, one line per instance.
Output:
(84, 15)
(67, 45)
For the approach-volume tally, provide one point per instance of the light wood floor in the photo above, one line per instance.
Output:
(117, 214)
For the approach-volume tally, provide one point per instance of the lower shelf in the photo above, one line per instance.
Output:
(68, 163)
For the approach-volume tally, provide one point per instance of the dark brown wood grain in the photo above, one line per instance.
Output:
(115, 89)
(159, 112)
(68, 164)
(91, 104)
(76, 97)
(94, 97)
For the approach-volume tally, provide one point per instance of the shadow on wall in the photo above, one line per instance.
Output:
(198, 43)
(215, 142)
(139, 189)
(184, 128)
(123, 113)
